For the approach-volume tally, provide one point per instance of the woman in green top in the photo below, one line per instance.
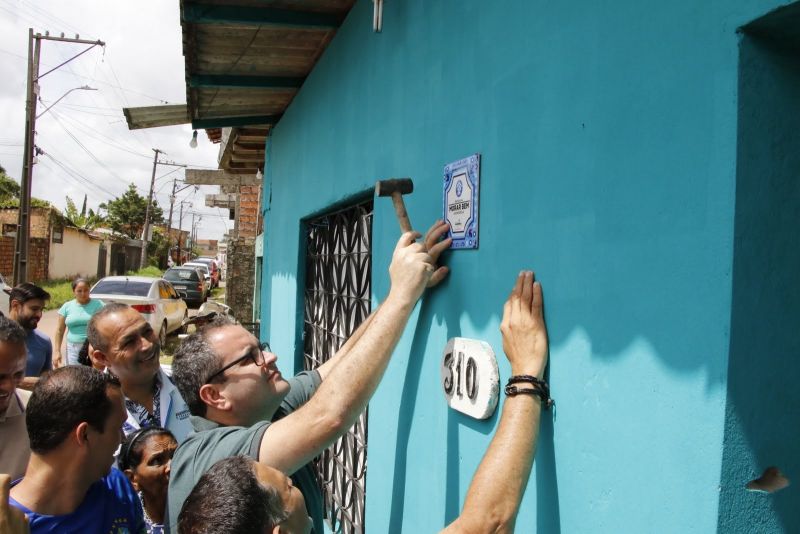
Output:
(74, 316)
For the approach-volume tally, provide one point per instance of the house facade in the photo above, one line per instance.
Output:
(642, 158)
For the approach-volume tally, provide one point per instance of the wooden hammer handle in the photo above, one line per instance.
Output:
(400, 211)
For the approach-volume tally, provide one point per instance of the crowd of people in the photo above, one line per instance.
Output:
(225, 444)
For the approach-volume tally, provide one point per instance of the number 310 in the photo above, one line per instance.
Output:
(470, 376)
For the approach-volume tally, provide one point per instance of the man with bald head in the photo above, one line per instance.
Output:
(125, 343)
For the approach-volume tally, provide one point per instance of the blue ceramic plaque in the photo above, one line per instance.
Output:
(460, 200)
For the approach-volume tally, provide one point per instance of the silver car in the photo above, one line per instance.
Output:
(154, 298)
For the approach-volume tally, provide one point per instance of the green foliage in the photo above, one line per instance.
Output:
(14, 203)
(158, 248)
(9, 188)
(10, 191)
(150, 270)
(82, 219)
(126, 213)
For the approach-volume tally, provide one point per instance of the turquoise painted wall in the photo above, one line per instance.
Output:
(608, 142)
(763, 402)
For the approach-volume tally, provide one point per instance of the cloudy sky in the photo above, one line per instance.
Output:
(89, 149)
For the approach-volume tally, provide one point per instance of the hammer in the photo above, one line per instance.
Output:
(396, 188)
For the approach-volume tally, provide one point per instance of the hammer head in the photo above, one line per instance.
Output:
(385, 188)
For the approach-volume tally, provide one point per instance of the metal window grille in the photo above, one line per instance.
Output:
(337, 300)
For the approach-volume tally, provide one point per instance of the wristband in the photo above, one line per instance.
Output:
(542, 393)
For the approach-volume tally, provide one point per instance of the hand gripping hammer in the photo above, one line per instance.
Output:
(396, 188)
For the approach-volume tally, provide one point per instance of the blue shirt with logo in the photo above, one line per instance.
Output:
(110, 507)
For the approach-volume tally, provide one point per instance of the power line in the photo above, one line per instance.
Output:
(78, 176)
(91, 79)
(93, 133)
(83, 147)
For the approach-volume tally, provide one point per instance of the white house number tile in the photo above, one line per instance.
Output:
(470, 378)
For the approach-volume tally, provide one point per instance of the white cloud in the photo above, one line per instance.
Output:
(142, 65)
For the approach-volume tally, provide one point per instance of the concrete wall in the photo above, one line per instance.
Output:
(608, 137)
(77, 254)
(763, 405)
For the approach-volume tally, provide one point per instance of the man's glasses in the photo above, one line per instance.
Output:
(256, 355)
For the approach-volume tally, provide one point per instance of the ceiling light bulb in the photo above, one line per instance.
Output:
(193, 142)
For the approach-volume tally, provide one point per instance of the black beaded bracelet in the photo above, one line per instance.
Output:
(513, 391)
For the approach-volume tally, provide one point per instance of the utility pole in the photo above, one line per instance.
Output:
(171, 204)
(146, 230)
(143, 257)
(180, 231)
(29, 152)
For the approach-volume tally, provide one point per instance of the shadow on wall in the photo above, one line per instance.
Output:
(763, 404)
(623, 232)
(448, 313)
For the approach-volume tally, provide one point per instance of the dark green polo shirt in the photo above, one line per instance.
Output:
(211, 442)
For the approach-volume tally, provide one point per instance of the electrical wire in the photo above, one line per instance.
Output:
(93, 133)
(84, 148)
(75, 174)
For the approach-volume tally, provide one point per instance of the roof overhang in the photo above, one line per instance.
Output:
(246, 59)
(155, 116)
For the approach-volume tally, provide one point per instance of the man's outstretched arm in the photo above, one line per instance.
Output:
(435, 245)
(293, 441)
(496, 491)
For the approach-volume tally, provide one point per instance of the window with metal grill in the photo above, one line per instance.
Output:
(337, 300)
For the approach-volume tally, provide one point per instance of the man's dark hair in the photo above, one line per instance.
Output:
(27, 291)
(229, 499)
(194, 362)
(96, 340)
(64, 398)
(11, 331)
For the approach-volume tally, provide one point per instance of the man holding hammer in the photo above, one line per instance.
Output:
(241, 404)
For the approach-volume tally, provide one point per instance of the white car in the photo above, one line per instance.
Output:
(154, 298)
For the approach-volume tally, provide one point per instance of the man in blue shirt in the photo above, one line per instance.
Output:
(75, 417)
(26, 304)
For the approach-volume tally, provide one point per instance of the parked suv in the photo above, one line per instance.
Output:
(190, 281)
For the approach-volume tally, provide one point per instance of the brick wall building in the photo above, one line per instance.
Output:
(240, 276)
(38, 246)
(40, 221)
(38, 258)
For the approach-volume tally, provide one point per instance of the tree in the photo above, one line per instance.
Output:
(158, 249)
(9, 188)
(126, 214)
(83, 220)
(10, 191)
